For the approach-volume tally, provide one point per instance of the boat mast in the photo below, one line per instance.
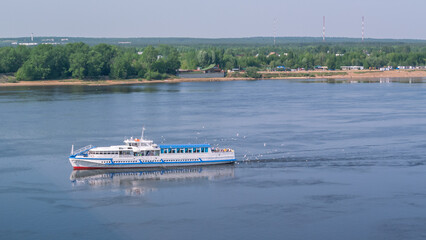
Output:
(143, 130)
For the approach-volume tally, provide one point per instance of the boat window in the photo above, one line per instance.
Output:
(198, 150)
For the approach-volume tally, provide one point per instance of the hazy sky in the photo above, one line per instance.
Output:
(212, 19)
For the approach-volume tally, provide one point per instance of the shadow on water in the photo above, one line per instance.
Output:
(55, 93)
(141, 181)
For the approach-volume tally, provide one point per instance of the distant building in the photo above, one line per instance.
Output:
(28, 44)
(211, 71)
(388, 68)
(281, 68)
(346, 68)
(340, 54)
(405, 67)
(323, 68)
(212, 68)
(273, 53)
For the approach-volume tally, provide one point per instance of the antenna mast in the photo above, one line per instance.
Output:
(323, 28)
(362, 29)
(275, 29)
(143, 130)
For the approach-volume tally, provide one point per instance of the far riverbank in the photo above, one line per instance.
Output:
(349, 75)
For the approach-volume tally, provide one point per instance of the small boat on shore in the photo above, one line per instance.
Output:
(142, 153)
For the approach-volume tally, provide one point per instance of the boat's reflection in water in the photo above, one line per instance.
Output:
(142, 181)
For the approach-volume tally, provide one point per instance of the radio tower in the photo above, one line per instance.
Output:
(323, 28)
(362, 29)
(275, 29)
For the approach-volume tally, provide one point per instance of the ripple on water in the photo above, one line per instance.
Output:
(403, 228)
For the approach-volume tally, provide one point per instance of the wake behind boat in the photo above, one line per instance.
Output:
(142, 153)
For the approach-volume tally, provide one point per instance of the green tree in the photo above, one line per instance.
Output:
(251, 72)
(96, 64)
(78, 65)
(149, 56)
(106, 54)
(203, 58)
(121, 67)
(331, 62)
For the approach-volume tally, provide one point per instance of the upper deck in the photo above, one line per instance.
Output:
(185, 148)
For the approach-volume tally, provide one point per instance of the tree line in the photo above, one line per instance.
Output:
(79, 60)
(332, 56)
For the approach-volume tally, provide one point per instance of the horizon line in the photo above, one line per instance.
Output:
(214, 38)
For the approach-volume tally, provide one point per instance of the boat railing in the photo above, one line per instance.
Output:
(222, 150)
(81, 150)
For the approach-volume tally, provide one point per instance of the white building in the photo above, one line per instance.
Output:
(352, 68)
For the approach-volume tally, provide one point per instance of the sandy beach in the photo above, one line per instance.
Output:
(366, 74)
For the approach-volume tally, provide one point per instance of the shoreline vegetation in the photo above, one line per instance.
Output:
(106, 64)
(350, 76)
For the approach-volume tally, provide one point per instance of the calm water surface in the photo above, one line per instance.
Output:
(317, 160)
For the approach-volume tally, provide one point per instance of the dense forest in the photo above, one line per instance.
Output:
(84, 61)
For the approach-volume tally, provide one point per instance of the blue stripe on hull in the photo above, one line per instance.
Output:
(150, 164)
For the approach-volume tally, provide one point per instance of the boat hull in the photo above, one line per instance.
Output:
(86, 164)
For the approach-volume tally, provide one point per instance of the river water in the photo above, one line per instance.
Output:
(316, 160)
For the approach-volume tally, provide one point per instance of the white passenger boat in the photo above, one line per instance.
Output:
(142, 153)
